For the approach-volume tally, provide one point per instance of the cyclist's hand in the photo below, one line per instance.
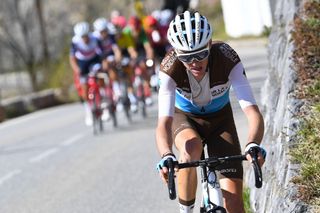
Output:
(162, 167)
(253, 148)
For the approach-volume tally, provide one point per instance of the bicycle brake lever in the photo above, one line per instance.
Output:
(171, 182)
(257, 169)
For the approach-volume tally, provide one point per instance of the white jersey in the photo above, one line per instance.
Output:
(83, 51)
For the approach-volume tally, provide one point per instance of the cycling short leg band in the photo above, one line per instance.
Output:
(186, 206)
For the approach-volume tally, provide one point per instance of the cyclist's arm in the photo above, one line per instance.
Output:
(132, 52)
(72, 59)
(149, 50)
(166, 99)
(255, 122)
(117, 52)
(74, 64)
(247, 102)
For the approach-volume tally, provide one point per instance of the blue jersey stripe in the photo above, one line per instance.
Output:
(215, 105)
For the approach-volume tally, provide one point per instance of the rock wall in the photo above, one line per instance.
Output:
(278, 193)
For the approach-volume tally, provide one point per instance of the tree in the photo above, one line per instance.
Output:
(18, 33)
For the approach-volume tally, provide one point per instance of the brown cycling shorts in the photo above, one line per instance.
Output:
(218, 132)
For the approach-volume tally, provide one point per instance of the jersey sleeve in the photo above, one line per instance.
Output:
(166, 95)
(241, 86)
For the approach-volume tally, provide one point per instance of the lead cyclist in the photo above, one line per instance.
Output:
(195, 78)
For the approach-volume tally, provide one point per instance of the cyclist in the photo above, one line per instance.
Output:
(194, 107)
(136, 31)
(84, 52)
(143, 47)
(156, 36)
(126, 43)
(107, 41)
(109, 48)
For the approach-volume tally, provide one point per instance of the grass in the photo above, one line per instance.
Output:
(246, 200)
(306, 152)
(306, 58)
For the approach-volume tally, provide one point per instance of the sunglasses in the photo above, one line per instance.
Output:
(190, 57)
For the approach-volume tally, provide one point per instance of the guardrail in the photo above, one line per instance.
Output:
(20, 105)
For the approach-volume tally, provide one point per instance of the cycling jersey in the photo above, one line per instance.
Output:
(106, 45)
(140, 40)
(125, 41)
(211, 94)
(86, 54)
(83, 51)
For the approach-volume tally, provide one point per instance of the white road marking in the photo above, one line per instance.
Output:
(72, 140)
(43, 155)
(9, 175)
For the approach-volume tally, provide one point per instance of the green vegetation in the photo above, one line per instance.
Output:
(307, 154)
(306, 57)
(246, 200)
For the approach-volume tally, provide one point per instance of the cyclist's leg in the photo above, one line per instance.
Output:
(189, 145)
(232, 193)
(224, 141)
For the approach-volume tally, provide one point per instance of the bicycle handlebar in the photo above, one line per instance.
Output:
(212, 162)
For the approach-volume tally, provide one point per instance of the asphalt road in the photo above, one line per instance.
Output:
(50, 162)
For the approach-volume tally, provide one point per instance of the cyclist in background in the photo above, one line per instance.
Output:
(124, 40)
(130, 55)
(144, 49)
(84, 52)
(136, 31)
(110, 49)
(194, 108)
(156, 35)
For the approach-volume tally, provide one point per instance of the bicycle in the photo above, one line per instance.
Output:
(211, 192)
(100, 100)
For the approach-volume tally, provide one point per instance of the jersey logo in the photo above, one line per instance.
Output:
(219, 90)
(168, 61)
(229, 52)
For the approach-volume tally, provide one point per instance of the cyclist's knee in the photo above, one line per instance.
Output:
(192, 150)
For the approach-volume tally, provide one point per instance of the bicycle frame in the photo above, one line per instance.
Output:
(94, 100)
(211, 191)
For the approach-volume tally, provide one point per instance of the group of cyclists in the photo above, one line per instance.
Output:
(124, 48)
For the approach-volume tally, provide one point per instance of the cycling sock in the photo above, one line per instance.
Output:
(186, 206)
(186, 209)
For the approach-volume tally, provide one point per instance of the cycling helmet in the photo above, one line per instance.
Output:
(119, 21)
(150, 21)
(81, 29)
(100, 24)
(189, 31)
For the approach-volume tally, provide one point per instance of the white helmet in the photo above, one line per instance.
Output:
(100, 24)
(81, 29)
(189, 31)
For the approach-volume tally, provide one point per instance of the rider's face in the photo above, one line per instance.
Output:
(197, 68)
(196, 62)
(104, 34)
(85, 39)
